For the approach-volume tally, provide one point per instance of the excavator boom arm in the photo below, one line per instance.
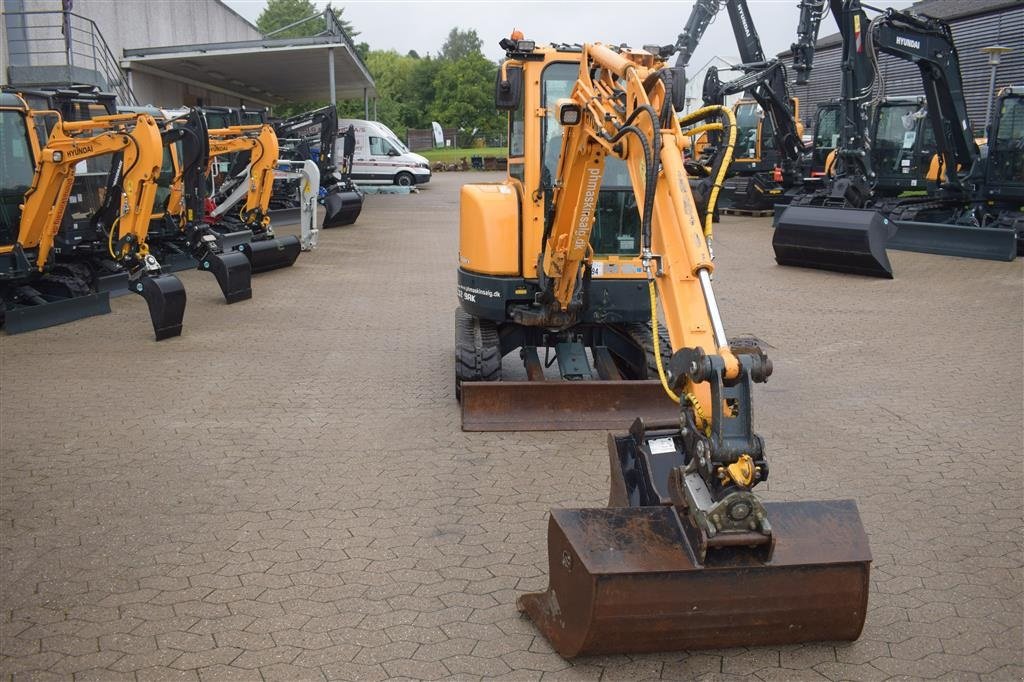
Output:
(674, 245)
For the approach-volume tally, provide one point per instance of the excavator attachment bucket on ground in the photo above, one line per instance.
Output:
(165, 296)
(233, 273)
(562, 405)
(633, 578)
(342, 207)
(840, 239)
(989, 243)
(271, 254)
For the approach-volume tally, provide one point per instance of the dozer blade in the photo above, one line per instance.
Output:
(271, 254)
(165, 296)
(990, 243)
(233, 273)
(562, 405)
(342, 207)
(625, 580)
(18, 320)
(840, 239)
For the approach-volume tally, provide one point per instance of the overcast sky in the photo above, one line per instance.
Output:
(423, 25)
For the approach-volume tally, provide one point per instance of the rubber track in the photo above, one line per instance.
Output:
(477, 351)
(640, 332)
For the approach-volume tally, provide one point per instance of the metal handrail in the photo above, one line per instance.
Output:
(92, 51)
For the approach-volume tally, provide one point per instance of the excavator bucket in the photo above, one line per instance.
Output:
(233, 273)
(271, 254)
(342, 206)
(562, 405)
(840, 239)
(165, 296)
(631, 578)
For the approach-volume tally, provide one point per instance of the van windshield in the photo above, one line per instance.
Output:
(397, 144)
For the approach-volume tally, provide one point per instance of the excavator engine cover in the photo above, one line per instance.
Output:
(840, 239)
(630, 579)
(271, 254)
(165, 296)
(343, 205)
(233, 273)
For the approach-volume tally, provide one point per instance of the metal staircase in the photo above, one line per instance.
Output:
(61, 48)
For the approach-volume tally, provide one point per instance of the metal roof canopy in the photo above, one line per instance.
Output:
(270, 70)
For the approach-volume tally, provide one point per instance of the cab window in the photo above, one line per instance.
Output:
(826, 132)
(616, 228)
(748, 115)
(16, 169)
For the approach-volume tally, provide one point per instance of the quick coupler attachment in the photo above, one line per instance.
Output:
(233, 273)
(165, 296)
(273, 253)
(343, 205)
(840, 239)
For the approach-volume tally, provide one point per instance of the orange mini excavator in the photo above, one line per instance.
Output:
(686, 555)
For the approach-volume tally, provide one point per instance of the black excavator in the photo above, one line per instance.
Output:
(769, 150)
(846, 226)
(342, 199)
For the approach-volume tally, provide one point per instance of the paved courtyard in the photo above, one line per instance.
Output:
(284, 493)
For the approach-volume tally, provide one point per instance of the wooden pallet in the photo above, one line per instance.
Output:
(760, 213)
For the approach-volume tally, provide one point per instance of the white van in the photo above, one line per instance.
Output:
(380, 156)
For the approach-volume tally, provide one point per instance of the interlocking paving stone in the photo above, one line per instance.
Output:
(284, 492)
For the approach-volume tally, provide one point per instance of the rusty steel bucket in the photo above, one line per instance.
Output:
(562, 405)
(625, 580)
(633, 578)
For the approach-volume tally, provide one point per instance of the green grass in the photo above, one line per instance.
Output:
(450, 155)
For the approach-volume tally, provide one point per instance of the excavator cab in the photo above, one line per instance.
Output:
(1004, 168)
(825, 140)
(593, 367)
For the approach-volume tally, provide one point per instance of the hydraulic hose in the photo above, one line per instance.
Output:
(723, 160)
(698, 411)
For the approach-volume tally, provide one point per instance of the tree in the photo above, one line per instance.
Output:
(461, 44)
(464, 95)
(280, 13)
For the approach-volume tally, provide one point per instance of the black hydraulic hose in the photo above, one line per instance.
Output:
(645, 221)
(652, 151)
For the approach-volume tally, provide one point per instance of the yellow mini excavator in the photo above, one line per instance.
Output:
(686, 555)
(265, 251)
(27, 256)
(583, 325)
